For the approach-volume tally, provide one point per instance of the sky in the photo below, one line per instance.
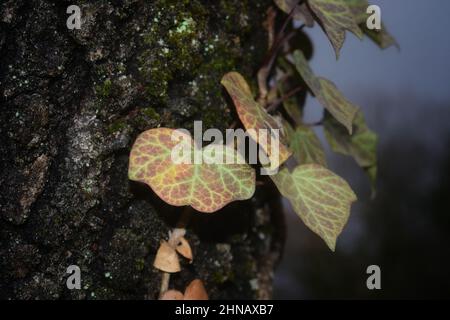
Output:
(421, 67)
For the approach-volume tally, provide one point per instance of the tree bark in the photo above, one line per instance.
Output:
(72, 103)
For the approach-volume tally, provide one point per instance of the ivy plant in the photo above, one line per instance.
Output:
(321, 198)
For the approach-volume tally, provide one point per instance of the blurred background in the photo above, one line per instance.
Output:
(405, 230)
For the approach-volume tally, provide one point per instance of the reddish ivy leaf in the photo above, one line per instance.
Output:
(205, 187)
(320, 198)
(327, 93)
(254, 117)
(335, 18)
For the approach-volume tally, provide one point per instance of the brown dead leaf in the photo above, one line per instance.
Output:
(167, 259)
(184, 249)
(172, 295)
(195, 291)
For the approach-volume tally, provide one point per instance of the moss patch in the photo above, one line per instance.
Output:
(104, 90)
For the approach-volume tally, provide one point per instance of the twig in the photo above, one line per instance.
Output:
(233, 125)
(314, 124)
(264, 71)
(269, 24)
(274, 105)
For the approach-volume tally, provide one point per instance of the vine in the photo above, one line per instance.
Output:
(321, 198)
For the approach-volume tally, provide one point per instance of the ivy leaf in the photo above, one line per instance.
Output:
(362, 145)
(372, 172)
(301, 11)
(254, 116)
(326, 92)
(335, 18)
(291, 104)
(206, 187)
(381, 37)
(305, 145)
(321, 199)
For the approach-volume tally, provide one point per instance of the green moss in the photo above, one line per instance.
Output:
(158, 80)
(104, 90)
(248, 267)
(171, 44)
(221, 277)
(234, 15)
(145, 119)
(116, 126)
(187, 26)
(151, 113)
(185, 43)
(140, 264)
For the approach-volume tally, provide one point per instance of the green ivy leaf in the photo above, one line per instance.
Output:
(305, 145)
(335, 18)
(361, 145)
(372, 174)
(254, 116)
(206, 187)
(327, 93)
(381, 37)
(321, 199)
(301, 11)
(290, 104)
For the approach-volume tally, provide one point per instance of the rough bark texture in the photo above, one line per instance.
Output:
(72, 103)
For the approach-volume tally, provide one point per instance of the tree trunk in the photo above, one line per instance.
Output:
(73, 101)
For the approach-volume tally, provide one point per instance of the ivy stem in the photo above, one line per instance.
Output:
(274, 105)
(264, 71)
(174, 238)
(269, 24)
(314, 124)
(233, 125)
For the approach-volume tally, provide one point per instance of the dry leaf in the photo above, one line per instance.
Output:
(167, 259)
(184, 249)
(172, 295)
(195, 291)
